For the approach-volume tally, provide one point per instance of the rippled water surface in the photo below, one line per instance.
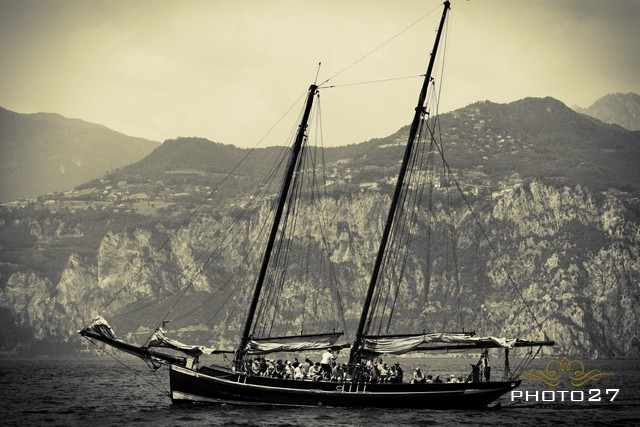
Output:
(105, 392)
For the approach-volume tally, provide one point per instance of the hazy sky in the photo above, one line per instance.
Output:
(228, 70)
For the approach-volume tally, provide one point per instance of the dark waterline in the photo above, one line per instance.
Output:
(104, 392)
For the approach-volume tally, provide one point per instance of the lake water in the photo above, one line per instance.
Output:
(105, 392)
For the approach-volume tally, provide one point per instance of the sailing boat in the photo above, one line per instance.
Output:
(238, 383)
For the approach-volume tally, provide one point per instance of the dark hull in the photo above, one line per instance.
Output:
(221, 386)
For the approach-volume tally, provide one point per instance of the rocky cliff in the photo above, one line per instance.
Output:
(574, 256)
(556, 224)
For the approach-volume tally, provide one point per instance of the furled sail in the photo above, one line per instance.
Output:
(159, 339)
(99, 326)
(100, 330)
(295, 343)
(406, 344)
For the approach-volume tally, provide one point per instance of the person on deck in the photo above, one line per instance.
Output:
(374, 374)
(487, 368)
(264, 366)
(384, 373)
(255, 367)
(315, 372)
(397, 374)
(475, 372)
(280, 369)
(271, 368)
(393, 374)
(288, 370)
(305, 366)
(325, 362)
(297, 373)
(418, 377)
(338, 372)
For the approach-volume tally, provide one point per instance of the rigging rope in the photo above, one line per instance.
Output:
(220, 246)
(162, 390)
(219, 249)
(406, 218)
(192, 214)
(297, 253)
(493, 248)
(372, 81)
(379, 46)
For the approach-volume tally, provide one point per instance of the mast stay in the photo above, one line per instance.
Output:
(289, 172)
(419, 113)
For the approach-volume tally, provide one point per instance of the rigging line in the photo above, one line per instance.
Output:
(294, 204)
(222, 306)
(332, 272)
(228, 282)
(306, 260)
(208, 261)
(411, 221)
(218, 249)
(264, 186)
(288, 232)
(415, 201)
(165, 391)
(435, 97)
(204, 302)
(372, 81)
(321, 139)
(452, 226)
(426, 183)
(280, 258)
(430, 222)
(209, 196)
(450, 231)
(212, 255)
(407, 216)
(380, 46)
(524, 362)
(396, 239)
(522, 365)
(223, 287)
(323, 217)
(493, 248)
(401, 235)
(399, 239)
(271, 278)
(418, 182)
(391, 257)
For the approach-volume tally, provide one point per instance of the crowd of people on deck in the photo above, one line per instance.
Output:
(378, 371)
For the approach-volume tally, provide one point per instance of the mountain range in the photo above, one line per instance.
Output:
(620, 108)
(44, 152)
(560, 187)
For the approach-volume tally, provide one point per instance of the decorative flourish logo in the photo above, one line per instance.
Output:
(578, 375)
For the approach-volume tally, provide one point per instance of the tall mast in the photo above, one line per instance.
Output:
(355, 349)
(284, 191)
